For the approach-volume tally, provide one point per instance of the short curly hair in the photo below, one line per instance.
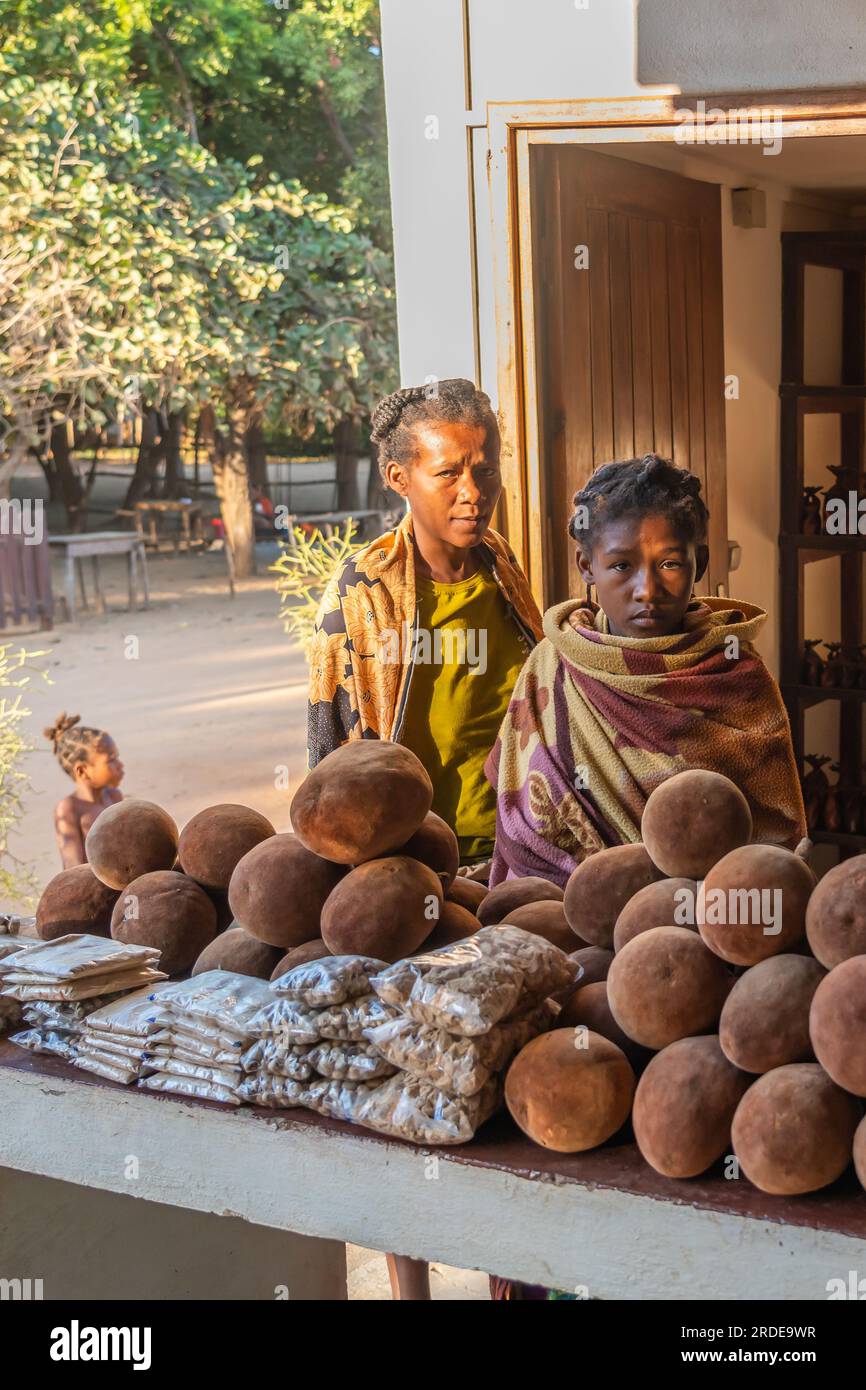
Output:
(396, 416)
(639, 487)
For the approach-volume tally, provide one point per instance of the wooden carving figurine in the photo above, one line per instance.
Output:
(810, 512)
(815, 787)
(812, 668)
(833, 805)
(831, 676)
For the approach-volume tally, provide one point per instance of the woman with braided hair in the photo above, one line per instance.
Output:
(91, 759)
(422, 634)
(643, 682)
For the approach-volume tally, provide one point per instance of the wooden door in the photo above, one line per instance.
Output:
(627, 295)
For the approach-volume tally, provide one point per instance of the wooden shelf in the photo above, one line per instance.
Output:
(821, 393)
(823, 547)
(838, 837)
(814, 694)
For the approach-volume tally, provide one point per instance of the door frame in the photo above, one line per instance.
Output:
(512, 129)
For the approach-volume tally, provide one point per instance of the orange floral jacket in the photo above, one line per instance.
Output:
(361, 658)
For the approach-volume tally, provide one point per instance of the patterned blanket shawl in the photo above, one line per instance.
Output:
(597, 721)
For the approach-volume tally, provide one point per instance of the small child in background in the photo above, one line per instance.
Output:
(91, 759)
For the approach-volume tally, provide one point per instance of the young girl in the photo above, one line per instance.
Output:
(647, 682)
(91, 759)
(421, 635)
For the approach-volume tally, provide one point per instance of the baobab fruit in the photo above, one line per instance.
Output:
(793, 1131)
(836, 915)
(588, 1006)
(435, 844)
(468, 893)
(384, 908)
(362, 801)
(215, 840)
(765, 1019)
(837, 1024)
(860, 1152)
(594, 961)
(665, 985)
(670, 902)
(684, 1104)
(569, 1090)
(454, 924)
(167, 910)
(128, 840)
(545, 919)
(692, 819)
(600, 887)
(752, 904)
(300, 955)
(506, 897)
(239, 952)
(278, 890)
(75, 900)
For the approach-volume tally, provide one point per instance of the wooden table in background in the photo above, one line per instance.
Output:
(148, 514)
(91, 545)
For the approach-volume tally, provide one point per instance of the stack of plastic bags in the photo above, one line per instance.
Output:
(10, 1009)
(117, 1041)
(454, 1019)
(58, 983)
(310, 1048)
(206, 1031)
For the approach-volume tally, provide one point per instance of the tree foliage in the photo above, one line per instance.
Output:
(16, 880)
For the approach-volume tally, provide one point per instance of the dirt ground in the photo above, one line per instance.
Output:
(207, 704)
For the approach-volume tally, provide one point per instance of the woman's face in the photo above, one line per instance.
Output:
(644, 573)
(453, 483)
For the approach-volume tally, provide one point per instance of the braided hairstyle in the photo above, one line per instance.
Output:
(72, 742)
(396, 416)
(649, 486)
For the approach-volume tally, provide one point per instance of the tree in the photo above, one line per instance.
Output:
(16, 881)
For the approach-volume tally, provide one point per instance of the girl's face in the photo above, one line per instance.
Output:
(453, 483)
(104, 768)
(644, 573)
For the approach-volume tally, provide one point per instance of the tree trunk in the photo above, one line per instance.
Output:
(254, 443)
(174, 482)
(70, 484)
(232, 483)
(43, 458)
(346, 452)
(149, 453)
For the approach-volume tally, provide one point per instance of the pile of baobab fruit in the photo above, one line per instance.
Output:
(721, 1000)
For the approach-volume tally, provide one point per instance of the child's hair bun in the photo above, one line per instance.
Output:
(62, 723)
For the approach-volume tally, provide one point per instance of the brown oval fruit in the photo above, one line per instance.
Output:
(545, 919)
(75, 900)
(467, 893)
(600, 887)
(661, 904)
(169, 911)
(588, 1007)
(665, 985)
(569, 1097)
(752, 904)
(765, 1019)
(794, 1129)
(128, 840)
(684, 1104)
(435, 844)
(454, 924)
(595, 962)
(362, 801)
(216, 839)
(837, 1024)
(278, 890)
(506, 897)
(300, 955)
(860, 1152)
(692, 819)
(239, 952)
(382, 909)
(836, 915)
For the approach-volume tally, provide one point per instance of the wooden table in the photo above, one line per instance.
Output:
(602, 1222)
(190, 533)
(93, 544)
